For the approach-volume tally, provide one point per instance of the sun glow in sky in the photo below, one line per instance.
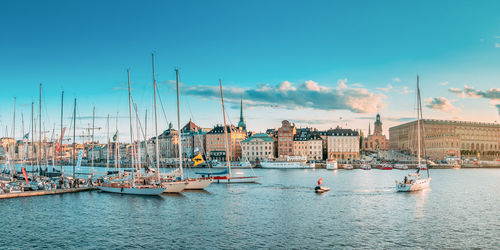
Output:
(316, 63)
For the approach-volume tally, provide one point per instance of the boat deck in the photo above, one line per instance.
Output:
(45, 192)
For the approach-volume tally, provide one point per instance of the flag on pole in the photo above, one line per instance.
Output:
(115, 136)
(26, 136)
(198, 159)
(320, 181)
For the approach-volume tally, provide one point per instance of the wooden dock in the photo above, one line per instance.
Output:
(45, 192)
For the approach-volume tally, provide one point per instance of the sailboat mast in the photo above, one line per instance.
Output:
(61, 142)
(13, 146)
(418, 123)
(74, 139)
(179, 123)
(107, 147)
(157, 153)
(93, 144)
(138, 144)
(225, 129)
(130, 124)
(40, 130)
(146, 138)
(117, 158)
(32, 138)
(421, 117)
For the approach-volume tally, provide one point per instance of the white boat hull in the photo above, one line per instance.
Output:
(418, 185)
(237, 179)
(133, 190)
(174, 187)
(287, 165)
(332, 166)
(198, 184)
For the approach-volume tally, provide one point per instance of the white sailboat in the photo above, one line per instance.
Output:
(193, 183)
(171, 184)
(226, 175)
(414, 181)
(130, 185)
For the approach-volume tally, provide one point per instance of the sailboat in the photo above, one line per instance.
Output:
(414, 181)
(226, 175)
(131, 185)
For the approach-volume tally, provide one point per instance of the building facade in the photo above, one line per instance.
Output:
(215, 143)
(343, 144)
(376, 141)
(309, 144)
(444, 138)
(285, 139)
(258, 147)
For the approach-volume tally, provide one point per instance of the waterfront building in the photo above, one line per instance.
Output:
(258, 147)
(309, 144)
(285, 139)
(448, 138)
(376, 141)
(215, 147)
(168, 142)
(343, 144)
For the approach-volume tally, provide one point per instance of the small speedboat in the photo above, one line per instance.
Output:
(320, 189)
(348, 167)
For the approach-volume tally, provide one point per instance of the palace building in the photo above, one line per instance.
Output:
(444, 138)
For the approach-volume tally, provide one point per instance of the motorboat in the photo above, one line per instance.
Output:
(320, 189)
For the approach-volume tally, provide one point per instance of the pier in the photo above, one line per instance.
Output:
(45, 192)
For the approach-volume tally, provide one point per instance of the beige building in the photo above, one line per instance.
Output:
(343, 144)
(448, 138)
(215, 143)
(258, 147)
(309, 144)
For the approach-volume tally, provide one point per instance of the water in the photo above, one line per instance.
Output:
(461, 210)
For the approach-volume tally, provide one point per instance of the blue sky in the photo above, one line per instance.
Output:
(312, 62)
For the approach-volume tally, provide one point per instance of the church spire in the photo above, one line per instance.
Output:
(369, 129)
(242, 124)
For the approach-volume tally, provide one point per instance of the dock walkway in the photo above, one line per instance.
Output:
(45, 192)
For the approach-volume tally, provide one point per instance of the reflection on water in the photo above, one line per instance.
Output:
(362, 210)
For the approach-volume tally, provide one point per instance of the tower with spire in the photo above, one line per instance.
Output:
(242, 124)
(378, 126)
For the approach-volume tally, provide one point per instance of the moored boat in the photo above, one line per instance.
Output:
(331, 164)
(290, 162)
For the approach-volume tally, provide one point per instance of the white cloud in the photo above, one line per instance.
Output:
(396, 79)
(341, 83)
(285, 95)
(445, 83)
(442, 104)
(386, 89)
(497, 45)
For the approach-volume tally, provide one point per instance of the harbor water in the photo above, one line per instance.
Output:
(362, 210)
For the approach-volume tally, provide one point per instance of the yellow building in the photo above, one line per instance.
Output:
(448, 138)
(215, 143)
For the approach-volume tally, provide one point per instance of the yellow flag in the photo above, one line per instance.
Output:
(198, 160)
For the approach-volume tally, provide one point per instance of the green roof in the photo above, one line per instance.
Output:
(262, 136)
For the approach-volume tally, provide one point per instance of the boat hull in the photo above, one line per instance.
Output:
(174, 187)
(236, 179)
(198, 184)
(418, 185)
(286, 165)
(132, 190)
